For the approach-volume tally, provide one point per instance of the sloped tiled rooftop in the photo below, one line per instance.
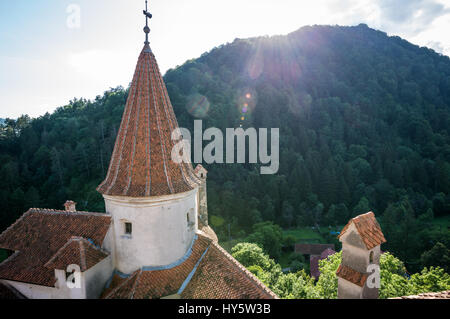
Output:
(368, 228)
(141, 164)
(351, 275)
(209, 272)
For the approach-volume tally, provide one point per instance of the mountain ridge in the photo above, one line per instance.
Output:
(364, 122)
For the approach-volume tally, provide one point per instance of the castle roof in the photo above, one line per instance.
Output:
(314, 261)
(368, 228)
(7, 292)
(77, 251)
(312, 249)
(208, 272)
(141, 163)
(43, 240)
(429, 295)
(349, 274)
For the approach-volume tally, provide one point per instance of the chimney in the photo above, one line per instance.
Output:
(70, 206)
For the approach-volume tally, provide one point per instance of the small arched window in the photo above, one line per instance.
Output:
(371, 257)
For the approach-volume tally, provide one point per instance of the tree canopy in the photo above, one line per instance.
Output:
(364, 123)
(394, 279)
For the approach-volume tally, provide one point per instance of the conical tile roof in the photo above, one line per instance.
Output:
(141, 163)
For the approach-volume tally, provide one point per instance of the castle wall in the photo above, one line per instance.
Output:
(162, 232)
(355, 257)
(203, 203)
(43, 292)
(92, 283)
(35, 291)
(97, 277)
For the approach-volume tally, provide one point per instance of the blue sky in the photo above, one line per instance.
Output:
(44, 63)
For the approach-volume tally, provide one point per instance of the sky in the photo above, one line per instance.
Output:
(53, 51)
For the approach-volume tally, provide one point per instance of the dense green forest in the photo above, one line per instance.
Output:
(364, 126)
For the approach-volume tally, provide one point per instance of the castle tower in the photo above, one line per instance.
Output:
(202, 173)
(359, 271)
(153, 200)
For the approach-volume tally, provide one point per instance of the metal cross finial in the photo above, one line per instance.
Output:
(148, 15)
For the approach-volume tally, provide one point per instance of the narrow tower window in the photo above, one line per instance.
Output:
(371, 257)
(128, 228)
(190, 218)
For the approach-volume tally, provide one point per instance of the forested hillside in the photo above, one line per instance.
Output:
(364, 125)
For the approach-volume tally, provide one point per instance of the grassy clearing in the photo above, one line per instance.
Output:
(305, 234)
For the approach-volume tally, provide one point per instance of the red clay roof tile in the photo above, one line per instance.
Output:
(77, 251)
(39, 234)
(368, 228)
(141, 164)
(351, 275)
(312, 249)
(429, 295)
(156, 284)
(121, 288)
(218, 275)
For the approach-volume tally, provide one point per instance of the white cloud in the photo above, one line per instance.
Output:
(422, 22)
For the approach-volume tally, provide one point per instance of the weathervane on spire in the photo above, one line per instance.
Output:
(148, 15)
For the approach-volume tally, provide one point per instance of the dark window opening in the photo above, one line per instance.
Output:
(371, 257)
(128, 228)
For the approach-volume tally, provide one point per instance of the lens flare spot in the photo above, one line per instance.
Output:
(197, 105)
(247, 100)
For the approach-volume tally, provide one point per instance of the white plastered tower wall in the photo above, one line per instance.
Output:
(163, 229)
(354, 252)
(356, 256)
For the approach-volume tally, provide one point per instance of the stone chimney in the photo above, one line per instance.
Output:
(359, 272)
(70, 206)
